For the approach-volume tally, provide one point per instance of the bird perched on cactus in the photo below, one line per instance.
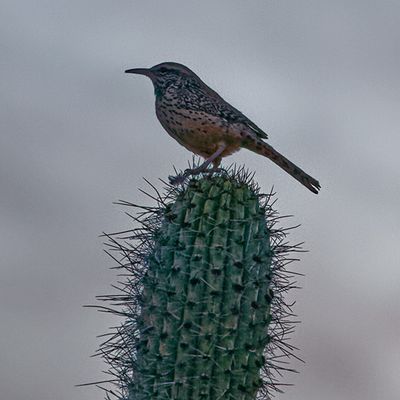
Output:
(203, 122)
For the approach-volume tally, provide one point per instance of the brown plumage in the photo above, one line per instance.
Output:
(203, 122)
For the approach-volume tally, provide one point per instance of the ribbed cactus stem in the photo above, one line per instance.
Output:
(206, 298)
(205, 316)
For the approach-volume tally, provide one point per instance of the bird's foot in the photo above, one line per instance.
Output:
(213, 170)
(181, 178)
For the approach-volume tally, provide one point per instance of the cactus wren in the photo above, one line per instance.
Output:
(203, 122)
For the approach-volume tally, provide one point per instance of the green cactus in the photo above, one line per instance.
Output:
(205, 281)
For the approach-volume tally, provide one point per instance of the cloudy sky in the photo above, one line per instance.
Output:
(321, 77)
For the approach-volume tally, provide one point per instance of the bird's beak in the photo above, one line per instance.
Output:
(141, 71)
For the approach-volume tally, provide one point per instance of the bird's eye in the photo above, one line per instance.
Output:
(163, 69)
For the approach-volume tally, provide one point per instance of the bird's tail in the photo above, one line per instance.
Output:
(266, 150)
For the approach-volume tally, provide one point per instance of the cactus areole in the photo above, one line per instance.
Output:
(203, 295)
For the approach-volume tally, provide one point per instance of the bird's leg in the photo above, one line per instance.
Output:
(176, 180)
(212, 159)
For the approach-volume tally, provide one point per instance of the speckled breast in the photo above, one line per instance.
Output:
(199, 132)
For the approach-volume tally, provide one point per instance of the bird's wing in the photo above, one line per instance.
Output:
(235, 116)
(258, 131)
(219, 107)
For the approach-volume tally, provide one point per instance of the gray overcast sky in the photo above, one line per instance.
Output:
(321, 77)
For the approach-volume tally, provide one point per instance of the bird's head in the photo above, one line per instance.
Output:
(165, 74)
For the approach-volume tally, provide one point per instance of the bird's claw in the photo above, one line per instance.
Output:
(181, 178)
(213, 170)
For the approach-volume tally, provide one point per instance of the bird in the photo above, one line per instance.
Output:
(199, 119)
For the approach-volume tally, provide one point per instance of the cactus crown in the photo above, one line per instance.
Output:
(203, 298)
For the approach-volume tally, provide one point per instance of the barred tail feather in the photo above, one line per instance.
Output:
(268, 151)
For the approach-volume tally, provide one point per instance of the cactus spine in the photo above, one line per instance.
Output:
(198, 301)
